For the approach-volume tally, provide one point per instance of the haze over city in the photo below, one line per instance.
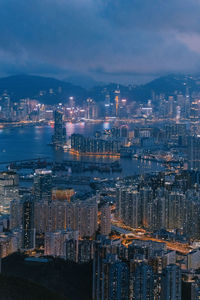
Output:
(123, 41)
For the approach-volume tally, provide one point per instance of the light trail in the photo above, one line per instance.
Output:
(128, 235)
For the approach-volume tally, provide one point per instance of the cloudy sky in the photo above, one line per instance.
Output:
(109, 40)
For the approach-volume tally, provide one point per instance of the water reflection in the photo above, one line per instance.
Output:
(33, 142)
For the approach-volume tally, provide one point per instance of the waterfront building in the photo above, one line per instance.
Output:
(117, 96)
(59, 137)
(5, 107)
(97, 146)
(91, 109)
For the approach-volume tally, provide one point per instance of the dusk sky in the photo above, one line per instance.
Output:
(109, 40)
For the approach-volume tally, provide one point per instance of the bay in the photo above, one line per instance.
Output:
(20, 143)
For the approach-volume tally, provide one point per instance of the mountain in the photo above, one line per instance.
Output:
(172, 84)
(168, 85)
(52, 91)
(15, 288)
(65, 279)
(46, 90)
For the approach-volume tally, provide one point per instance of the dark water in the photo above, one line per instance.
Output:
(32, 142)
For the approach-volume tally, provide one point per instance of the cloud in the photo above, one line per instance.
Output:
(108, 39)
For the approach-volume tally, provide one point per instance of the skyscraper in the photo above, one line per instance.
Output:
(171, 283)
(28, 231)
(142, 278)
(105, 219)
(115, 279)
(9, 190)
(117, 100)
(59, 137)
(42, 185)
(85, 218)
(55, 242)
(91, 109)
(194, 153)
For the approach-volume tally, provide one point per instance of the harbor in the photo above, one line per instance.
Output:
(65, 165)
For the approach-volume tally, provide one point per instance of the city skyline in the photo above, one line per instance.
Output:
(100, 150)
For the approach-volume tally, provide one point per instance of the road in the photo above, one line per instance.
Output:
(128, 235)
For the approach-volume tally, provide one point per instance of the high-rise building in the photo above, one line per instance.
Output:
(171, 283)
(193, 259)
(91, 109)
(9, 190)
(102, 247)
(175, 130)
(105, 219)
(28, 230)
(15, 213)
(128, 206)
(5, 107)
(80, 251)
(85, 218)
(195, 110)
(63, 194)
(142, 281)
(194, 153)
(55, 242)
(124, 131)
(41, 216)
(83, 144)
(59, 137)
(43, 185)
(85, 251)
(60, 215)
(159, 208)
(115, 277)
(10, 242)
(71, 250)
(117, 96)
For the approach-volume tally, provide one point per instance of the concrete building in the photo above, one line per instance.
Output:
(105, 226)
(9, 190)
(55, 242)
